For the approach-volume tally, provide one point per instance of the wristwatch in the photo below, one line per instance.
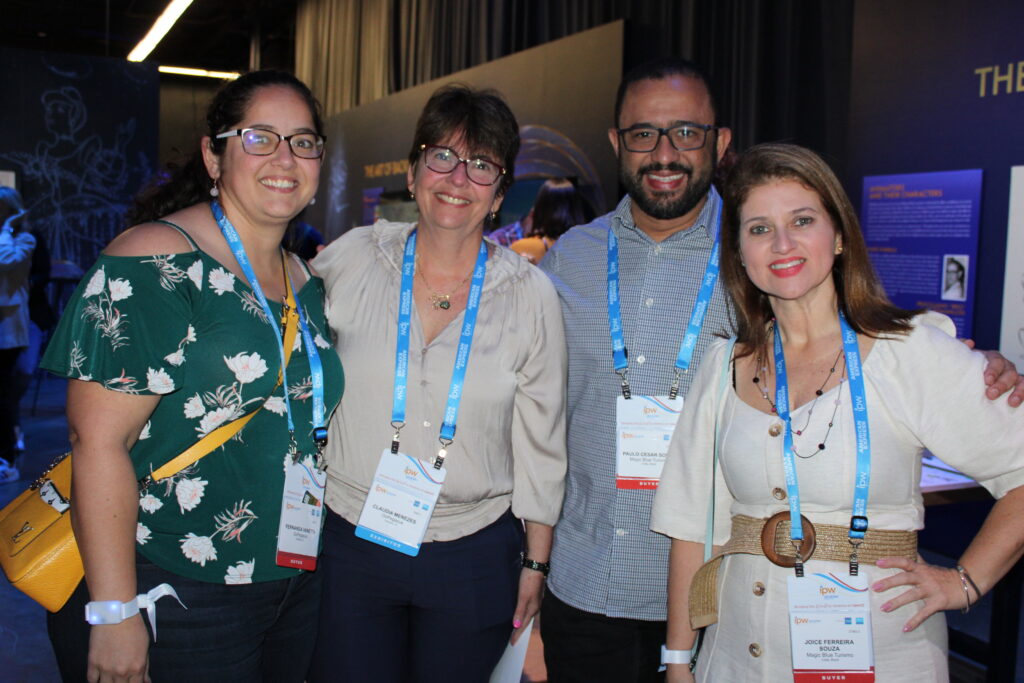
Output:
(542, 567)
(101, 612)
(675, 656)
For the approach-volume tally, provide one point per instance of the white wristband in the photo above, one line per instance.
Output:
(104, 612)
(675, 656)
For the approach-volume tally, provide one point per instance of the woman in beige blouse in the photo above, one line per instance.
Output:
(445, 613)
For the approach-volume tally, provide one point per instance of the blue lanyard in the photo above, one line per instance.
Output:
(315, 365)
(859, 520)
(451, 411)
(700, 307)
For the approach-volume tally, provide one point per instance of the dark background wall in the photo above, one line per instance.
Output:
(916, 104)
(79, 133)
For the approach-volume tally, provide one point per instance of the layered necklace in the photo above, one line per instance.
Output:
(439, 300)
(760, 380)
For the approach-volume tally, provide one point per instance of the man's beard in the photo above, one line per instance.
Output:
(659, 205)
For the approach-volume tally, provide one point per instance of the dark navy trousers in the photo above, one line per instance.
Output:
(442, 616)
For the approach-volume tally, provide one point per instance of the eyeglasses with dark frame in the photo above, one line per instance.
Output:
(261, 143)
(685, 137)
(480, 170)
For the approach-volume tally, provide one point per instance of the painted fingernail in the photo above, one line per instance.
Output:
(876, 586)
(885, 607)
(906, 629)
(516, 623)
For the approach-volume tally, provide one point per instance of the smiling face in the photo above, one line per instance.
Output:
(788, 242)
(451, 201)
(668, 186)
(270, 189)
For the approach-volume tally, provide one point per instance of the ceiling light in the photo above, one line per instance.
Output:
(186, 71)
(160, 28)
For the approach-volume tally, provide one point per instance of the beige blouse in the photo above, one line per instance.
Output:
(509, 446)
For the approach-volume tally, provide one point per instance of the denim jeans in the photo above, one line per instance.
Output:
(251, 632)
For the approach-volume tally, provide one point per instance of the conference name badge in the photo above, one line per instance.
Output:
(643, 431)
(302, 514)
(830, 629)
(400, 502)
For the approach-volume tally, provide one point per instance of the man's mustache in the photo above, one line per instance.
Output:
(674, 166)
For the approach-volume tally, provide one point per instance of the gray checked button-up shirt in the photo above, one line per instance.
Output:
(605, 559)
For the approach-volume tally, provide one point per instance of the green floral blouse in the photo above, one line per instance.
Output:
(184, 327)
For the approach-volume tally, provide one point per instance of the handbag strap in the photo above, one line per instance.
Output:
(722, 379)
(221, 434)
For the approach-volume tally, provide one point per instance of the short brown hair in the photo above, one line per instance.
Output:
(481, 117)
(861, 295)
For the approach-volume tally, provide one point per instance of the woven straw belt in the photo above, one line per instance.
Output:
(833, 543)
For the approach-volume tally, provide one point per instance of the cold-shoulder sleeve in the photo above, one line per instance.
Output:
(680, 507)
(127, 326)
(538, 420)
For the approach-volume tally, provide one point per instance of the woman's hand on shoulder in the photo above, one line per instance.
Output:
(938, 587)
(148, 239)
(119, 653)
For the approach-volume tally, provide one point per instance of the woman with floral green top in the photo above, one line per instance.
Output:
(174, 332)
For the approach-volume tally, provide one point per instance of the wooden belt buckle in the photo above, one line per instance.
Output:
(768, 540)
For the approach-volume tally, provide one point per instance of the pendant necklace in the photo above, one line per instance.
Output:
(437, 299)
(760, 380)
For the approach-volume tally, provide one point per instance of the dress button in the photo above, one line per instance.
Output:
(426, 423)
(775, 429)
(754, 649)
(649, 302)
(620, 532)
(640, 360)
(758, 588)
(657, 249)
(778, 494)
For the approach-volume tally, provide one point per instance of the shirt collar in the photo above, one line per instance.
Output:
(703, 227)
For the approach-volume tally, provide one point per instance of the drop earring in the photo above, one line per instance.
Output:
(312, 201)
(214, 192)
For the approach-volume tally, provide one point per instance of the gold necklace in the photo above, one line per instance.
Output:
(437, 299)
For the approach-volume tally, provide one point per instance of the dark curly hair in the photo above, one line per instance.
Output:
(189, 183)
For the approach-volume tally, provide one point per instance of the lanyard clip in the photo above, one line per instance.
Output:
(798, 563)
(320, 438)
(442, 453)
(626, 393)
(854, 563)
(397, 426)
(673, 391)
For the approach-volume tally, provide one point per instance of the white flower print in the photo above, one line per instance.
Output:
(195, 274)
(144, 434)
(321, 342)
(297, 344)
(159, 382)
(194, 407)
(176, 358)
(222, 281)
(215, 418)
(247, 367)
(199, 549)
(231, 523)
(150, 503)
(95, 285)
(190, 336)
(170, 274)
(142, 534)
(241, 572)
(276, 405)
(119, 289)
(190, 492)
